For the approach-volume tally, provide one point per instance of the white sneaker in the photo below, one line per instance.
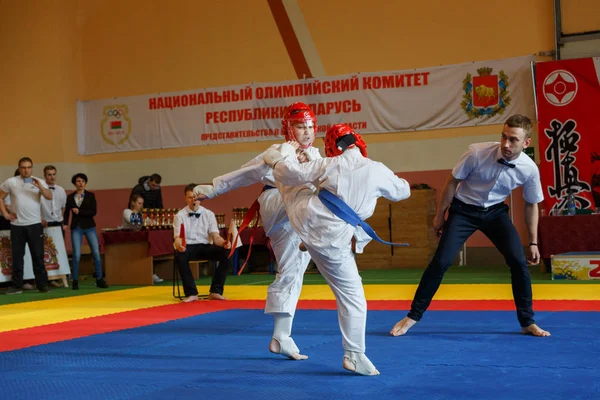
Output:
(157, 279)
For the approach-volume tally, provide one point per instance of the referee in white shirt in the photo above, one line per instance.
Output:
(475, 191)
(53, 209)
(200, 226)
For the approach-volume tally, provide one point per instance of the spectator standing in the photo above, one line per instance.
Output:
(26, 227)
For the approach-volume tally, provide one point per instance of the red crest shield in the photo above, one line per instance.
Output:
(485, 91)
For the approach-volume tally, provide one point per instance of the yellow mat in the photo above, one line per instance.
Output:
(30, 314)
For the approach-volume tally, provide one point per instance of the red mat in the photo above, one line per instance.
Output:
(22, 338)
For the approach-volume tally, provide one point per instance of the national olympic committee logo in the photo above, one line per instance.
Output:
(115, 125)
(485, 95)
(560, 88)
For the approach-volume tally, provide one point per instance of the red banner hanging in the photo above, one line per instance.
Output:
(568, 101)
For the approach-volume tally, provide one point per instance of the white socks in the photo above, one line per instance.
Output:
(359, 363)
(282, 325)
(282, 331)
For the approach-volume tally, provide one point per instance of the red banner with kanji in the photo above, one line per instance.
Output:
(568, 101)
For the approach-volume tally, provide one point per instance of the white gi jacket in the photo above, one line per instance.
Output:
(357, 180)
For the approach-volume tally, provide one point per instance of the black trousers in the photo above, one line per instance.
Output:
(463, 221)
(32, 235)
(202, 252)
(4, 224)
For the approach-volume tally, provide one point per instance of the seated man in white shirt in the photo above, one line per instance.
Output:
(475, 193)
(200, 226)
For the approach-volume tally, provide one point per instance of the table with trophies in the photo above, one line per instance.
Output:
(563, 234)
(130, 253)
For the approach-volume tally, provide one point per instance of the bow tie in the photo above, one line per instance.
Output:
(506, 163)
(51, 187)
(193, 214)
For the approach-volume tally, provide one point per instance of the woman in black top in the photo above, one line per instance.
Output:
(81, 206)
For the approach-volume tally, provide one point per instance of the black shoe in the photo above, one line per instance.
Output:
(44, 289)
(75, 284)
(101, 284)
(14, 290)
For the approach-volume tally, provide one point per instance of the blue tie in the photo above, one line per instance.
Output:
(345, 213)
(192, 214)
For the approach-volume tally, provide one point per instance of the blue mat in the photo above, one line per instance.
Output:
(449, 355)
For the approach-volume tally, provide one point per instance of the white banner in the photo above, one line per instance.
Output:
(55, 255)
(477, 93)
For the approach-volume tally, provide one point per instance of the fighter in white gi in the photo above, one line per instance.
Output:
(299, 125)
(349, 175)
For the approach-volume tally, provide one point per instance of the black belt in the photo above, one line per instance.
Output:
(477, 208)
(54, 223)
(268, 187)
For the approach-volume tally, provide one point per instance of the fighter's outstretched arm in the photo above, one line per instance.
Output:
(250, 173)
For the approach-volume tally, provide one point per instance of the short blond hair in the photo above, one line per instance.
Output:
(520, 121)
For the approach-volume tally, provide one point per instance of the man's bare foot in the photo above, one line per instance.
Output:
(216, 296)
(534, 330)
(189, 299)
(275, 347)
(402, 327)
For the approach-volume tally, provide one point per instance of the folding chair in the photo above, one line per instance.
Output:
(176, 278)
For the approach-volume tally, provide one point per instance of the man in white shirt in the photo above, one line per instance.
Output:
(475, 192)
(53, 209)
(200, 226)
(26, 224)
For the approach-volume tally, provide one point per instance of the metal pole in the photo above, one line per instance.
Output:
(534, 89)
(557, 28)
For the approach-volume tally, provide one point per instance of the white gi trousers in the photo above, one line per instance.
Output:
(341, 273)
(283, 293)
(335, 262)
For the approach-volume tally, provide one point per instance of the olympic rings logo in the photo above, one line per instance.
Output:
(115, 113)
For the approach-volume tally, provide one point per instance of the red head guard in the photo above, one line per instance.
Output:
(297, 112)
(333, 142)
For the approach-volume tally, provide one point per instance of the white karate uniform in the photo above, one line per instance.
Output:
(359, 182)
(283, 293)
